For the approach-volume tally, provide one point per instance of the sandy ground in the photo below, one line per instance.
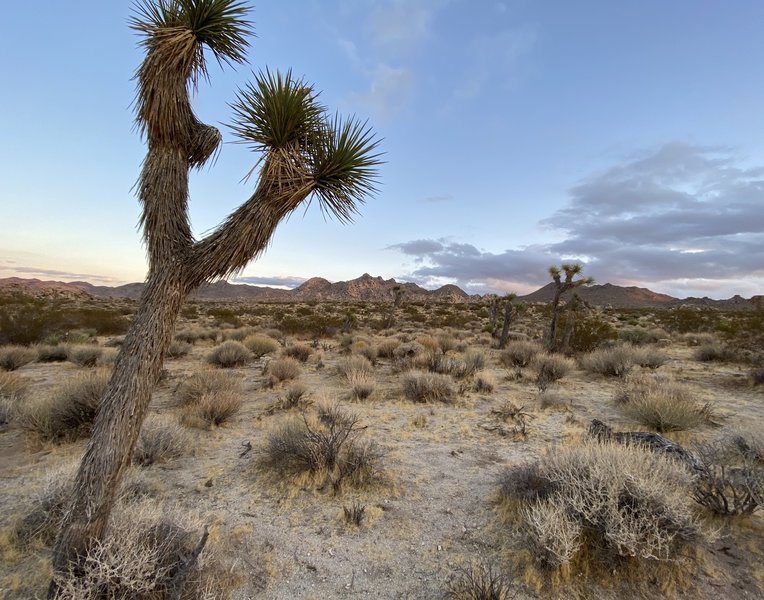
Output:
(434, 513)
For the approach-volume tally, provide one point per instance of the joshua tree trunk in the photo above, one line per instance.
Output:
(508, 314)
(560, 287)
(303, 152)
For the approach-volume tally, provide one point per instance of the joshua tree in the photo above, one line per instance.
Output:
(560, 287)
(398, 292)
(303, 153)
(509, 312)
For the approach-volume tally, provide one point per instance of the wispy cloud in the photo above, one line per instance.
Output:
(390, 91)
(9, 268)
(287, 282)
(681, 218)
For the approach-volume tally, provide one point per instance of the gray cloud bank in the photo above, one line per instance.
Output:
(683, 219)
(287, 282)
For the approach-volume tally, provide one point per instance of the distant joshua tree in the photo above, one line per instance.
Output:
(560, 287)
(303, 153)
(398, 292)
(510, 310)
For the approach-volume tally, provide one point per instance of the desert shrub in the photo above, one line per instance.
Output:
(524, 484)
(408, 350)
(354, 514)
(212, 409)
(178, 349)
(300, 352)
(69, 413)
(46, 509)
(757, 375)
(554, 399)
(474, 360)
(623, 500)
(639, 336)
(194, 334)
(484, 381)
(160, 440)
(386, 348)
(294, 395)
(550, 368)
(368, 351)
(208, 381)
(446, 342)
(52, 352)
(361, 385)
(649, 358)
(354, 365)
(84, 355)
(283, 369)
(479, 582)
(694, 338)
(13, 389)
(238, 335)
(661, 403)
(519, 353)
(14, 357)
(615, 362)
(327, 447)
(229, 354)
(714, 352)
(429, 343)
(428, 387)
(589, 332)
(260, 345)
(731, 478)
(145, 549)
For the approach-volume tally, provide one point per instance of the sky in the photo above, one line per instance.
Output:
(627, 136)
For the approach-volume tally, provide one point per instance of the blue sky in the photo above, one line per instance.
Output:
(626, 135)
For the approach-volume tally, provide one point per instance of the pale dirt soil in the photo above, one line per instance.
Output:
(433, 515)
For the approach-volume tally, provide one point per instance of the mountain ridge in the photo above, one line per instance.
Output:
(368, 288)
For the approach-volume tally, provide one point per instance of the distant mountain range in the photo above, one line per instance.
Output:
(373, 289)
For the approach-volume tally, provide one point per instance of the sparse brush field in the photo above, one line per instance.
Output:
(331, 457)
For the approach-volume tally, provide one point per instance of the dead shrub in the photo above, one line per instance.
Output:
(614, 362)
(84, 355)
(229, 354)
(428, 387)
(659, 402)
(47, 506)
(14, 357)
(326, 447)
(519, 353)
(479, 582)
(524, 484)
(68, 414)
(283, 369)
(160, 440)
(354, 514)
(212, 409)
(207, 381)
(629, 502)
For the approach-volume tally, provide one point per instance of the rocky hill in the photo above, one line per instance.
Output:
(608, 295)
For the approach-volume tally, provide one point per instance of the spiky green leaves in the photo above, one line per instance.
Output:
(280, 113)
(220, 25)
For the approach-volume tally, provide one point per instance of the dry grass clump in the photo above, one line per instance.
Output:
(474, 360)
(614, 362)
(479, 582)
(650, 358)
(714, 352)
(659, 402)
(212, 409)
(294, 395)
(554, 399)
(386, 348)
(13, 389)
(84, 355)
(550, 368)
(300, 352)
(699, 339)
(147, 551)
(363, 348)
(362, 385)
(446, 342)
(52, 352)
(207, 381)
(324, 450)
(428, 387)
(229, 354)
(613, 499)
(160, 440)
(260, 345)
(429, 343)
(68, 414)
(238, 334)
(178, 349)
(520, 353)
(354, 365)
(484, 381)
(283, 369)
(14, 357)
(47, 506)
